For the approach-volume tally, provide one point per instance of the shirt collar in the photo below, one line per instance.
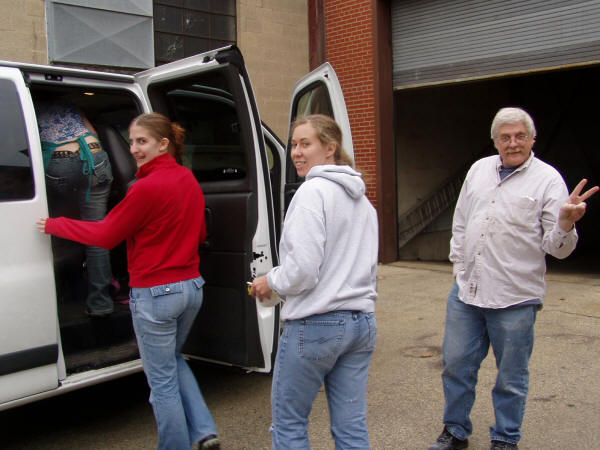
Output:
(523, 166)
(160, 161)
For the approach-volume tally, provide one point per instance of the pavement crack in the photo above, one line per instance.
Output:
(572, 313)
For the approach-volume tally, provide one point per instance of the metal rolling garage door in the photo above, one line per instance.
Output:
(438, 41)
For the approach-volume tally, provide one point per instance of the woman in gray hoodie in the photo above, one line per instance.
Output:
(327, 276)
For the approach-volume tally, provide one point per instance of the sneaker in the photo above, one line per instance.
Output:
(448, 442)
(210, 442)
(499, 445)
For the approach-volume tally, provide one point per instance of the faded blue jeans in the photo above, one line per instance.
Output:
(162, 319)
(67, 189)
(469, 332)
(334, 349)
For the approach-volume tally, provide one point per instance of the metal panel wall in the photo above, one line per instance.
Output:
(101, 32)
(448, 40)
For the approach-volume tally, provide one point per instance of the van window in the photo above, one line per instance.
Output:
(16, 176)
(313, 100)
(213, 143)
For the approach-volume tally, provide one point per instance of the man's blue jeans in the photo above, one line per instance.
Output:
(469, 332)
(67, 190)
(162, 319)
(334, 349)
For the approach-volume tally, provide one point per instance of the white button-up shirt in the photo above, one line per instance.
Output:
(502, 230)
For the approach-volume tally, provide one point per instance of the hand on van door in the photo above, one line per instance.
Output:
(41, 225)
(260, 288)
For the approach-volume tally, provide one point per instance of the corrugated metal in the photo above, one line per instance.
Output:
(81, 34)
(444, 40)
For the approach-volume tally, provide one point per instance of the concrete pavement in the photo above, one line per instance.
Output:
(405, 392)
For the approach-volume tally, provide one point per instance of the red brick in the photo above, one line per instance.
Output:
(350, 50)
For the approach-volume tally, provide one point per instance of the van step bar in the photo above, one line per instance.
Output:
(101, 357)
(82, 333)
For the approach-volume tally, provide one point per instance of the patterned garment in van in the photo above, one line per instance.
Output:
(59, 121)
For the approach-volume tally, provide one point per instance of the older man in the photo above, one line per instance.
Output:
(513, 209)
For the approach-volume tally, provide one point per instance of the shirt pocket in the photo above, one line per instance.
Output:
(527, 202)
(523, 211)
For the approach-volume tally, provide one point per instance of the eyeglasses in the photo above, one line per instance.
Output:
(505, 138)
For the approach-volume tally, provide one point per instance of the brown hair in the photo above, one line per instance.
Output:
(160, 127)
(328, 131)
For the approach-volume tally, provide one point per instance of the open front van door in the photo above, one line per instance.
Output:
(319, 92)
(29, 351)
(211, 97)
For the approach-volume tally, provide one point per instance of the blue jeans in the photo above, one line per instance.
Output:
(469, 332)
(334, 349)
(162, 319)
(67, 189)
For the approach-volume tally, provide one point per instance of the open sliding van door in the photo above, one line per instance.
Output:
(319, 92)
(211, 97)
(29, 350)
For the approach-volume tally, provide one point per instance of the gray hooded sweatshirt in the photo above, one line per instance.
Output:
(328, 249)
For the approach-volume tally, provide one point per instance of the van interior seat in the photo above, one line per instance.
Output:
(124, 169)
(122, 163)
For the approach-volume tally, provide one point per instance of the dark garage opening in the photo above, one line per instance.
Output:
(441, 130)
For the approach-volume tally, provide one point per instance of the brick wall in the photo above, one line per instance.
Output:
(350, 47)
(273, 37)
(23, 31)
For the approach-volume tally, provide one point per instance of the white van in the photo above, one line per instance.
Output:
(47, 345)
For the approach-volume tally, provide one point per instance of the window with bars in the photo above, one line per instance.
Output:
(187, 27)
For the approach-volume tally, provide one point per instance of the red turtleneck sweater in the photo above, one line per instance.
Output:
(162, 218)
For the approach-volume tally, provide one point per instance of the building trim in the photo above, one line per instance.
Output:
(317, 48)
(384, 133)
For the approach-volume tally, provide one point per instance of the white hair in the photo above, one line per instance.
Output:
(512, 115)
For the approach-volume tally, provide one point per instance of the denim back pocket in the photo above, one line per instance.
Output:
(320, 339)
(198, 282)
(168, 301)
(56, 182)
(102, 169)
(372, 324)
(166, 289)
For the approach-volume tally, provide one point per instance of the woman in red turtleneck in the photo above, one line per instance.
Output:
(162, 220)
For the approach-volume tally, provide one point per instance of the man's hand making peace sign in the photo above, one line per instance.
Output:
(574, 207)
